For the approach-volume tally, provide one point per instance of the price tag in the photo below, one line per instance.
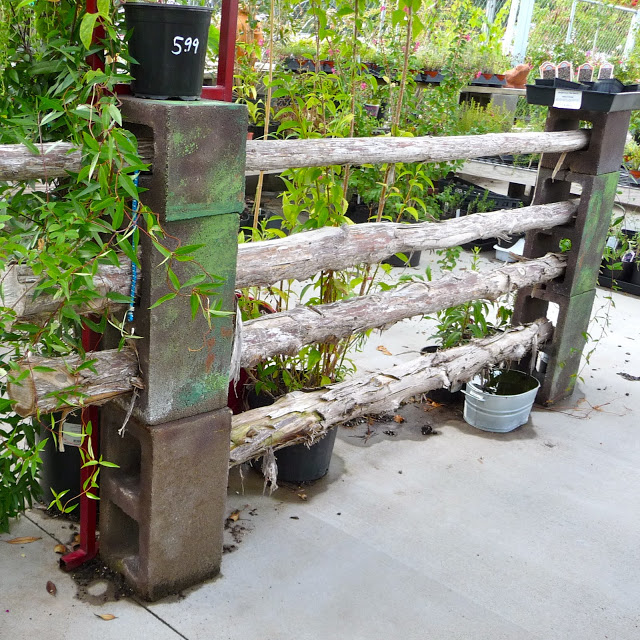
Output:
(567, 99)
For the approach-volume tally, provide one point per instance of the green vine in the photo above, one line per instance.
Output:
(65, 229)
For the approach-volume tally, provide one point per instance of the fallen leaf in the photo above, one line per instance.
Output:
(302, 496)
(51, 588)
(398, 418)
(234, 515)
(23, 540)
(384, 350)
(76, 539)
(60, 548)
(106, 616)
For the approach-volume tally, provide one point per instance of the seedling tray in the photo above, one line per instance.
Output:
(627, 100)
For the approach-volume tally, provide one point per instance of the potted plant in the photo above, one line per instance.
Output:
(431, 57)
(313, 198)
(168, 44)
(491, 65)
(298, 55)
(631, 159)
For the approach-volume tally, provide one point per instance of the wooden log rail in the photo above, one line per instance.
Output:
(306, 416)
(281, 333)
(55, 384)
(18, 286)
(287, 332)
(302, 255)
(278, 155)
(57, 159)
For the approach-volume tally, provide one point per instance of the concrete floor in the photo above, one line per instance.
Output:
(464, 534)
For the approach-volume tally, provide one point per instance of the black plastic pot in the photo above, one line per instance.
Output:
(169, 44)
(61, 469)
(300, 463)
(297, 463)
(413, 260)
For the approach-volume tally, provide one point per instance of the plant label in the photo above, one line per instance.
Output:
(547, 70)
(606, 71)
(72, 434)
(567, 99)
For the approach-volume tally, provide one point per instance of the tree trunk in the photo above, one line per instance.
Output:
(19, 286)
(277, 155)
(55, 384)
(289, 331)
(306, 417)
(302, 255)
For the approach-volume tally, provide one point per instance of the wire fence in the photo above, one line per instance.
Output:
(589, 27)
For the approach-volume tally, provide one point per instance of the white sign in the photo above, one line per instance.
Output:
(567, 99)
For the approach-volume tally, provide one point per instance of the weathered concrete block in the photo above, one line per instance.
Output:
(587, 232)
(198, 155)
(185, 363)
(162, 512)
(608, 135)
(197, 185)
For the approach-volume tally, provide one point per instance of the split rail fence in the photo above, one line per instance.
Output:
(169, 419)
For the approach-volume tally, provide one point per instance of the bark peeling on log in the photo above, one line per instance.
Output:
(287, 332)
(49, 379)
(302, 255)
(302, 417)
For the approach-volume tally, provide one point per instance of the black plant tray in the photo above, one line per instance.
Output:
(431, 77)
(495, 81)
(626, 287)
(627, 100)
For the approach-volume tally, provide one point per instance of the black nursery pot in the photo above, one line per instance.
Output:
(298, 463)
(169, 44)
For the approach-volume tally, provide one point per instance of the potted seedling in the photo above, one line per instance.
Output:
(431, 57)
(631, 159)
(168, 44)
(492, 66)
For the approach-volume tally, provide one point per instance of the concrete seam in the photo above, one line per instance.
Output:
(26, 515)
(155, 615)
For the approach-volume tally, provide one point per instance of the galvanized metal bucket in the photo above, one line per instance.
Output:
(498, 413)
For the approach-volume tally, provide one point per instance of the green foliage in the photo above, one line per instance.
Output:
(457, 325)
(476, 119)
(64, 229)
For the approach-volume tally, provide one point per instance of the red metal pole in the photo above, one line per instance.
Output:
(88, 507)
(90, 342)
(226, 54)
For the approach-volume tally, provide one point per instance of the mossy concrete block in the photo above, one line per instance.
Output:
(184, 362)
(199, 153)
(606, 145)
(587, 232)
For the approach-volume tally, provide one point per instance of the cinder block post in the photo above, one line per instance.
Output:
(162, 511)
(596, 170)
